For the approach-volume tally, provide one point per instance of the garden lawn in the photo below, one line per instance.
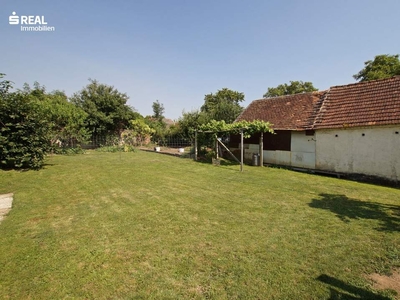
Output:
(150, 226)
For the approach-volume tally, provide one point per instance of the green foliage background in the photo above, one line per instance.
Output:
(25, 133)
(381, 67)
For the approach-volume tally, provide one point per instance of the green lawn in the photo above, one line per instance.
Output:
(150, 226)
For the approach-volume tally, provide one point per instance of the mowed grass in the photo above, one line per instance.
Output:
(150, 226)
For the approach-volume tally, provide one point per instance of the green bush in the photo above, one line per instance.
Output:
(24, 132)
(68, 150)
(117, 148)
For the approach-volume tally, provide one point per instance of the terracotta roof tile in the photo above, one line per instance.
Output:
(291, 112)
(361, 104)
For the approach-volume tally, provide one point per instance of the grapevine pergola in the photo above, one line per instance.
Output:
(245, 128)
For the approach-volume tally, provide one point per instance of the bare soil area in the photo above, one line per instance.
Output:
(382, 282)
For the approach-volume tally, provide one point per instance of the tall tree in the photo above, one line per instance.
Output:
(157, 123)
(5, 85)
(106, 108)
(295, 87)
(223, 105)
(158, 110)
(383, 66)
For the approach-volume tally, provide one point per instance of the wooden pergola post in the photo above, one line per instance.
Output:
(262, 149)
(195, 145)
(216, 146)
(241, 150)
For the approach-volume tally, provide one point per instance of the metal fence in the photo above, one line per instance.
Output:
(174, 142)
(169, 142)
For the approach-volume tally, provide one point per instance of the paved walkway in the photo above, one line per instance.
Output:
(5, 204)
(164, 150)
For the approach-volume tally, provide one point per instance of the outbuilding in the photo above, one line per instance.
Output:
(351, 128)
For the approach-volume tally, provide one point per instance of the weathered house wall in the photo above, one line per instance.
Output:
(303, 150)
(288, 148)
(370, 150)
(301, 153)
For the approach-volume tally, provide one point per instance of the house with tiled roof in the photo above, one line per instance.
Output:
(293, 144)
(352, 128)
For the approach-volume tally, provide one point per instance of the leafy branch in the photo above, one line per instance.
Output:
(248, 128)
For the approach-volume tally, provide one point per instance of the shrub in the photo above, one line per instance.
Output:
(117, 148)
(24, 133)
(68, 150)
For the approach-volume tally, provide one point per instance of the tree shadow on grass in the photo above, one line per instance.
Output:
(342, 290)
(220, 163)
(45, 165)
(23, 170)
(348, 209)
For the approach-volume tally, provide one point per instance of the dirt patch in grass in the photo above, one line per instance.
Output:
(383, 282)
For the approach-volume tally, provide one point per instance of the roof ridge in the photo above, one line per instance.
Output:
(375, 102)
(321, 103)
(395, 77)
(362, 103)
(291, 95)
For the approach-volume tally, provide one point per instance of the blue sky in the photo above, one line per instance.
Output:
(177, 51)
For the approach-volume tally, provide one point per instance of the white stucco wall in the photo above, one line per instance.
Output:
(347, 150)
(302, 152)
(277, 157)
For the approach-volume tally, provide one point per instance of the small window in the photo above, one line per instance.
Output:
(310, 132)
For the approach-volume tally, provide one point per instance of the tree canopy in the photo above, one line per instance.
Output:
(67, 121)
(5, 85)
(295, 87)
(383, 66)
(158, 110)
(106, 108)
(223, 105)
(191, 121)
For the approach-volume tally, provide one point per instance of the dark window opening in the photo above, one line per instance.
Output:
(310, 132)
(281, 140)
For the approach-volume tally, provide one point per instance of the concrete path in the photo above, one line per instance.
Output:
(5, 204)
